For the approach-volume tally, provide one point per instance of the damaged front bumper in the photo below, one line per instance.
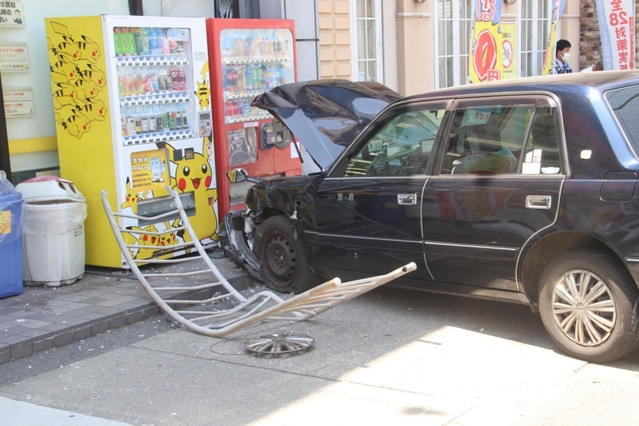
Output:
(239, 229)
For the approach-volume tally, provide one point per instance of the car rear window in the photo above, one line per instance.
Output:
(625, 105)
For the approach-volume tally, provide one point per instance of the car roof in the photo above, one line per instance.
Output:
(601, 81)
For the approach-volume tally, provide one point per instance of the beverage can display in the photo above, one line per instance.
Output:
(162, 82)
(130, 126)
(145, 124)
(137, 37)
(130, 40)
(173, 72)
(124, 42)
(156, 41)
(172, 121)
(181, 79)
(153, 124)
(155, 83)
(185, 122)
(138, 125)
(178, 120)
(249, 78)
(144, 40)
(117, 41)
(166, 48)
(165, 122)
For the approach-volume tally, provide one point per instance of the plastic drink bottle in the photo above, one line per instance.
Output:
(166, 48)
(144, 37)
(130, 40)
(139, 49)
(117, 41)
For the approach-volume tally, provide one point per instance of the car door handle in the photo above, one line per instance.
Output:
(406, 198)
(541, 202)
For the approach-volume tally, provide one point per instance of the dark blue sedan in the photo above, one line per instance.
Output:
(522, 191)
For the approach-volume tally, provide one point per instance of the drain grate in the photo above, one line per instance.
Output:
(279, 344)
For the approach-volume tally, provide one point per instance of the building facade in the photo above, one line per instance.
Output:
(414, 46)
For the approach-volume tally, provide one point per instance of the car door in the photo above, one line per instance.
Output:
(369, 207)
(498, 183)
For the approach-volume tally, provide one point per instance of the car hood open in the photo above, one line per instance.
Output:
(326, 115)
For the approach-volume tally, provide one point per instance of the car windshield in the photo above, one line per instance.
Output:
(625, 105)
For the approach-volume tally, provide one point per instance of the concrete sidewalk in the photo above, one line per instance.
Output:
(19, 413)
(47, 317)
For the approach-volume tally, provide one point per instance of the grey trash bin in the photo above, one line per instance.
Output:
(53, 231)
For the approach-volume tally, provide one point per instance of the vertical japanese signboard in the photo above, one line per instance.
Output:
(549, 56)
(492, 55)
(617, 29)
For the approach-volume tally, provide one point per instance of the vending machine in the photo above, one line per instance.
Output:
(133, 116)
(248, 57)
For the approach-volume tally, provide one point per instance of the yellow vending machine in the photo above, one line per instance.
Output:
(132, 111)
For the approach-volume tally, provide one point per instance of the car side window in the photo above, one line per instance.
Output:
(486, 140)
(542, 148)
(401, 147)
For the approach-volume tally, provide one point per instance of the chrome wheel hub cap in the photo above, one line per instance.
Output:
(583, 307)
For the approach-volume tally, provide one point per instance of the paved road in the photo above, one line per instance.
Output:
(389, 357)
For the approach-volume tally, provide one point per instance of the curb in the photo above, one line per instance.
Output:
(48, 317)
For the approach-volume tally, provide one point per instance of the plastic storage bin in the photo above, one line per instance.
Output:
(53, 232)
(10, 239)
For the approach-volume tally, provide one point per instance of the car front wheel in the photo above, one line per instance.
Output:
(588, 306)
(284, 263)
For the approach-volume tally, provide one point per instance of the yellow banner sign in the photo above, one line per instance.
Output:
(493, 47)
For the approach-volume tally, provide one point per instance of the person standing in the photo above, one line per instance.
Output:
(561, 57)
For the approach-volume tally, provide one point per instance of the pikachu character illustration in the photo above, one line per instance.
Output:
(85, 89)
(203, 91)
(65, 45)
(132, 197)
(63, 72)
(168, 238)
(89, 49)
(78, 82)
(70, 119)
(88, 71)
(63, 95)
(92, 109)
(193, 173)
(143, 238)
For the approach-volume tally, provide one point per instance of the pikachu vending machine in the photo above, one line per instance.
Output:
(133, 116)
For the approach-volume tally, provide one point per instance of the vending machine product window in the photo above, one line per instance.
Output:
(253, 61)
(154, 84)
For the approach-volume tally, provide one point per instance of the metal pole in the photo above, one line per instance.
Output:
(135, 7)
(5, 160)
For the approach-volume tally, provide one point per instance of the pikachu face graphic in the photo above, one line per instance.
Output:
(193, 173)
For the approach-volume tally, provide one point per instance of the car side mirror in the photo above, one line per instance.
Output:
(236, 175)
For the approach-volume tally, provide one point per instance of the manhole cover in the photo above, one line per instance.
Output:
(280, 344)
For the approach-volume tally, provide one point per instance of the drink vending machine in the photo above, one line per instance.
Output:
(248, 57)
(132, 112)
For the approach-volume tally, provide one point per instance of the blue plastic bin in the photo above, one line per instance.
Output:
(10, 241)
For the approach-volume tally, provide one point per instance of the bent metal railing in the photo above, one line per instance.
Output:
(200, 314)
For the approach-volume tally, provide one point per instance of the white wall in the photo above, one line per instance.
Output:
(33, 33)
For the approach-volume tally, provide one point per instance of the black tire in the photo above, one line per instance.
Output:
(284, 262)
(588, 306)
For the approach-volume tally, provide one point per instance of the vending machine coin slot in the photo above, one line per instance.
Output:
(275, 134)
(204, 123)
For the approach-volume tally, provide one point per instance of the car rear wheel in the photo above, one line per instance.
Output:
(284, 263)
(588, 306)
